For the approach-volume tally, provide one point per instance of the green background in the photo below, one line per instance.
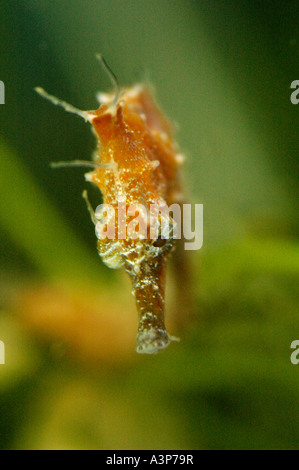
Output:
(222, 71)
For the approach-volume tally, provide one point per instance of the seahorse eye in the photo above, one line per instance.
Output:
(159, 242)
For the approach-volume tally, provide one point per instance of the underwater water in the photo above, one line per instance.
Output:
(222, 73)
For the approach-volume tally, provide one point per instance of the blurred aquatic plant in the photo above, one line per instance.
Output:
(37, 228)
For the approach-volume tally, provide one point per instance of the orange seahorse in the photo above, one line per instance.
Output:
(137, 162)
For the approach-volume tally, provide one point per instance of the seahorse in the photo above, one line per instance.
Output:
(136, 164)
